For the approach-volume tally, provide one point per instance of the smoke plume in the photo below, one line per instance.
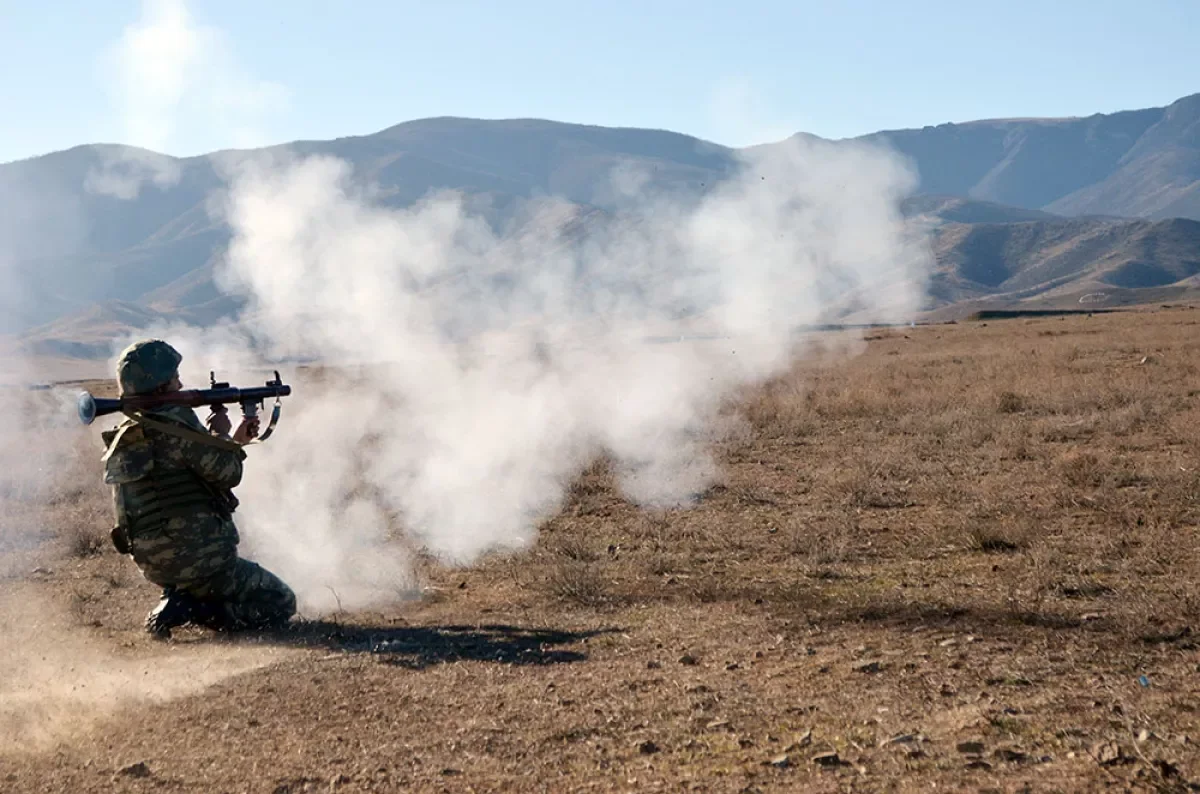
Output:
(175, 83)
(468, 376)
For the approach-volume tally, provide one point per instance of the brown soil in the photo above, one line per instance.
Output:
(965, 560)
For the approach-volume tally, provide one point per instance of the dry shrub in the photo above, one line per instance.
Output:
(84, 541)
(574, 548)
(579, 583)
(1081, 470)
(1011, 403)
(993, 539)
(1016, 443)
(999, 529)
(871, 485)
(1029, 585)
(660, 564)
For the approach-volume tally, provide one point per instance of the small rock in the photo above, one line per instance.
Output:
(451, 772)
(1107, 753)
(947, 642)
(1168, 769)
(338, 780)
(136, 770)
(41, 570)
(948, 691)
(1143, 736)
(780, 761)
(717, 724)
(731, 666)
(1011, 755)
(648, 748)
(979, 763)
(827, 759)
(745, 742)
(653, 665)
(970, 748)
(868, 667)
(689, 660)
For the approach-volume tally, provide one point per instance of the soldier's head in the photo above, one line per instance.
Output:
(148, 366)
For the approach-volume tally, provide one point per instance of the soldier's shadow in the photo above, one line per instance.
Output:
(419, 647)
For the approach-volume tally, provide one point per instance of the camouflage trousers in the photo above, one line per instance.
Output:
(197, 554)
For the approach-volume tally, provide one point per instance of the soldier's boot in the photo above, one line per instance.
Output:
(213, 615)
(175, 609)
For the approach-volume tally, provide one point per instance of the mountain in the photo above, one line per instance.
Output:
(957, 209)
(71, 247)
(1064, 258)
(1001, 195)
(1138, 163)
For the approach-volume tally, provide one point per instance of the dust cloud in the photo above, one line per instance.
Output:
(57, 683)
(470, 375)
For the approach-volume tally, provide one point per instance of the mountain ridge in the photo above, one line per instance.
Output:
(156, 247)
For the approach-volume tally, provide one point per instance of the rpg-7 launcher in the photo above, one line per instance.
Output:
(218, 394)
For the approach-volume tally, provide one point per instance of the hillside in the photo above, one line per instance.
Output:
(1138, 163)
(1063, 257)
(70, 250)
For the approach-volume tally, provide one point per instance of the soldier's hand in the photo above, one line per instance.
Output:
(218, 421)
(246, 431)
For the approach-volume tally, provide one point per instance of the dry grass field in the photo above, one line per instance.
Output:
(964, 560)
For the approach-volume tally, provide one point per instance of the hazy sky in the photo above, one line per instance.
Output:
(222, 73)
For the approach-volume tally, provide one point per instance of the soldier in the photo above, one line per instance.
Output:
(172, 484)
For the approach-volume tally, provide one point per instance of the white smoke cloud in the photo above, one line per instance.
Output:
(471, 376)
(176, 83)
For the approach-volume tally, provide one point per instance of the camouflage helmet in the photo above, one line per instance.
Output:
(146, 365)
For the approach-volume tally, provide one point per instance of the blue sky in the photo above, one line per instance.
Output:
(733, 72)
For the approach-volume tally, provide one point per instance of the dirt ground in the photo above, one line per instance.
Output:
(964, 560)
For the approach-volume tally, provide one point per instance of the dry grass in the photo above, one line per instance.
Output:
(966, 558)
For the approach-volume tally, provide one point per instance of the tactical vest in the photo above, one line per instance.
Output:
(145, 493)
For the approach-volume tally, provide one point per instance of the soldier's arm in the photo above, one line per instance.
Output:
(220, 467)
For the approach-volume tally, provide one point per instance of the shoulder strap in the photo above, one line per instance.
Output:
(186, 433)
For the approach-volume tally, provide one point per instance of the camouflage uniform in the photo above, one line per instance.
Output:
(172, 484)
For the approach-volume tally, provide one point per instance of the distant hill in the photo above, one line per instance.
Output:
(1138, 163)
(957, 209)
(1010, 200)
(1047, 259)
